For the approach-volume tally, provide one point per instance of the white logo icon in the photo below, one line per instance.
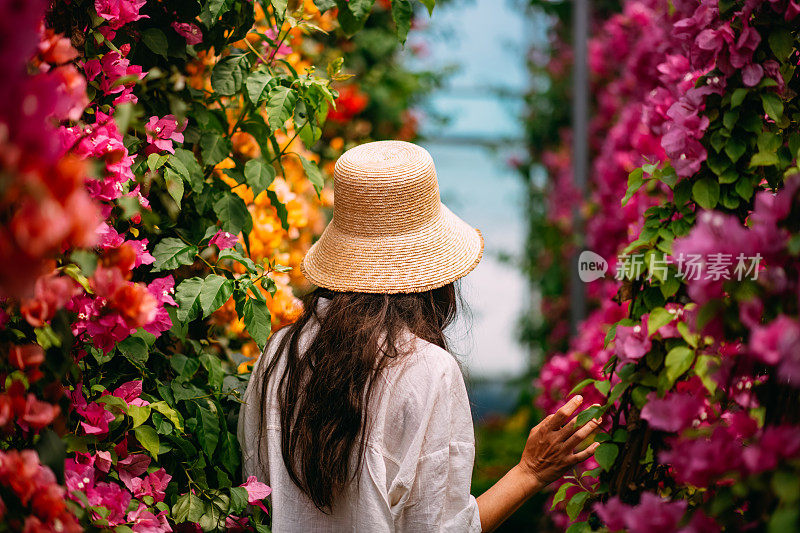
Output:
(591, 266)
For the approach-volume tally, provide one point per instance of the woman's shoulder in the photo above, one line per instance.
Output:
(425, 367)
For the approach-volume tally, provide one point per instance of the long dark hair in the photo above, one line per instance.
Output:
(324, 391)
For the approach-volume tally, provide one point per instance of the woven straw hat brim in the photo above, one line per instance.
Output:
(424, 259)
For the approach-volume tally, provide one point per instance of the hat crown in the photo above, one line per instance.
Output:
(383, 188)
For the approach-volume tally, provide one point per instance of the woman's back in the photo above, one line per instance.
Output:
(418, 456)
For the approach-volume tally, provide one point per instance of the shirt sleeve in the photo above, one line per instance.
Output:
(429, 448)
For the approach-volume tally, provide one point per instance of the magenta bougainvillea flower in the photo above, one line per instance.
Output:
(120, 12)
(188, 31)
(778, 344)
(96, 419)
(632, 342)
(162, 131)
(674, 412)
(256, 491)
(224, 239)
(653, 514)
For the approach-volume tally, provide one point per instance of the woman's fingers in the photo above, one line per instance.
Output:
(560, 417)
(581, 456)
(583, 432)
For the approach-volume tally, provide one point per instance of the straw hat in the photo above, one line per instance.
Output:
(390, 231)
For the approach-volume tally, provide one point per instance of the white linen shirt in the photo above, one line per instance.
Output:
(418, 461)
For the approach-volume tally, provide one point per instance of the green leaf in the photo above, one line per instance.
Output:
(239, 500)
(257, 321)
(256, 83)
(429, 4)
(188, 508)
(784, 519)
(227, 76)
(561, 494)
(258, 175)
(148, 438)
(781, 42)
(185, 164)
(678, 361)
(156, 41)
(184, 366)
(773, 105)
(209, 422)
(174, 183)
(402, 13)
(589, 413)
(215, 292)
(602, 387)
(171, 414)
(186, 294)
(580, 386)
(658, 318)
(214, 148)
(576, 503)
(280, 6)
(156, 161)
(283, 214)
(213, 366)
(735, 148)
(579, 527)
(606, 454)
(231, 253)
(313, 173)
(280, 105)
(635, 182)
(139, 414)
(171, 253)
(764, 159)
(705, 192)
(233, 213)
(134, 349)
(211, 12)
(744, 188)
(738, 97)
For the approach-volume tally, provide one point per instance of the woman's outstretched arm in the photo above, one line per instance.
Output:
(549, 452)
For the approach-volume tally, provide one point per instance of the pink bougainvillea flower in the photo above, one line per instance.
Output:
(144, 521)
(653, 514)
(674, 412)
(272, 34)
(132, 466)
(153, 484)
(224, 239)
(162, 289)
(130, 392)
(161, 132)
(143, 256)
(102, 460)
(778, 343)
(703, 461)
(112, 497)
(776, 443)
(188, 31)
(96, 419)
(39, 414)
(632, 342)
(78, 476)
(119, 12)
(256, 491)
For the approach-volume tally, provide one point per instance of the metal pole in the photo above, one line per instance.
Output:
(580, 149)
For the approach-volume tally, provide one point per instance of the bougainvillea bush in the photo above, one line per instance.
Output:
(159, 182)
(691, 347)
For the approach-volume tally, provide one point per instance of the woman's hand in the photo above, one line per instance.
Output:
(550, 449)
(549, 452)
